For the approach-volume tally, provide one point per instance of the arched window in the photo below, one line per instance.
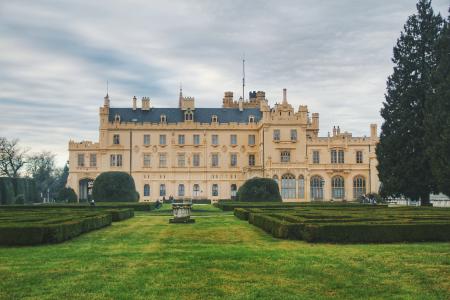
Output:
(337, 187)
(215, 190)
(181, 190)
(117, 118)
(146, 190)
(188, 116)
(163, 118)
(233, 191)
(301, 187)
(359, 187)
(214, 119)
(288, 186)
(251, 119)
(317, 184)
(162, 190)
(196, 190)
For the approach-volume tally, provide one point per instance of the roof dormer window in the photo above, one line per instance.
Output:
(251, 119)
(117, 118)
(188, 116)
(163, 118)
(214, 119)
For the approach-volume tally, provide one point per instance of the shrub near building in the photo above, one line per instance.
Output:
(259, 190)
(114, 187)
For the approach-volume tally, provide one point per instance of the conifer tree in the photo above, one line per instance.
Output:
(403, 166)
(437, 117)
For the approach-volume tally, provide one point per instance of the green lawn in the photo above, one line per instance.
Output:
(218, 257)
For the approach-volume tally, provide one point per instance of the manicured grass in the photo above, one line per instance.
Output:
(197, 209)
(219, 256)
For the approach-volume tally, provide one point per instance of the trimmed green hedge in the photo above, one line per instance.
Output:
(259, 190)
(120, 214)
(353, 224)
(139, 206)
(114, 187)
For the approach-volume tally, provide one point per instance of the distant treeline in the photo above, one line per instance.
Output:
(18, 191)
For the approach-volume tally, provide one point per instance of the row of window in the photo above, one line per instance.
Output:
(181, 160)
(195, 139)
(289, 189)
(277, 135)
(195, 190)
(337, 157)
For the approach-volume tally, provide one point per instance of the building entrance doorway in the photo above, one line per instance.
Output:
(85, 189)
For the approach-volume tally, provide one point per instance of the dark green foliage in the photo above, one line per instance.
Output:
(17, 191)
(100, 205)
(67, 195)
(404, 167)
(120, 214)
(351, 224)
(7, 195)
(259, 190)
(437, 118)
(231, 205)
(114, 187)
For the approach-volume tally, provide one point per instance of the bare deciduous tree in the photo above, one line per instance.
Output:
(12, 157)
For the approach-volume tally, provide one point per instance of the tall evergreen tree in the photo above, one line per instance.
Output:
(437, 118)
(404, 167)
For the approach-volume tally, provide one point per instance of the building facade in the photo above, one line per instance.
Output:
(208, 153)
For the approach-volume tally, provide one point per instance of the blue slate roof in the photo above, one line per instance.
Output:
(175, 115)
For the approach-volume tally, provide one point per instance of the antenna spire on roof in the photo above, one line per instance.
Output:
(181, 95)
(243, 76)
(107, 88)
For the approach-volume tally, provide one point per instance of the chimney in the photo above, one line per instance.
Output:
(241, 104)
(334, 130)
(373, 130)
(284, 97)
(134, 102)
(315, 120)
(145, 103)
(338, 130)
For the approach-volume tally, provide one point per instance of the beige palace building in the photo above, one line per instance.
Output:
(208, 153)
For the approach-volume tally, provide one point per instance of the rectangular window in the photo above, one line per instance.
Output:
(181, 139)
(196, 160)
(81, 160)
(215, 190)
(162, 139)
(215, 160)
(162, 160)
(119, 160)
(251, 139)
(293, 135)
(147, 160)
(112, 160)
(316, 157)
(359, 157)
(233, 159)
(233, 139)
(251, 159)
(215, 139)
(340, 156)
(93, 160)
(276, 134)
(196, 139)
(146, 139)
(116, 139)
(162, 190)
(181, 158)
(181, 190)
(333, 156)
(285, 156)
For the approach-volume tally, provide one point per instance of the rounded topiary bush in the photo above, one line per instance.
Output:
(67, 194)
(259, 190)
(114, 187)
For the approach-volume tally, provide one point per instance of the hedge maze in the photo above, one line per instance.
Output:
(350, 223)
(32, 226)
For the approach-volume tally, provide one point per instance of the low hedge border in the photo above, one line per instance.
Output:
(136, 206)
(33, 234)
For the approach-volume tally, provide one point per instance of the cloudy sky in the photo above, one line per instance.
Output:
(56, 56)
